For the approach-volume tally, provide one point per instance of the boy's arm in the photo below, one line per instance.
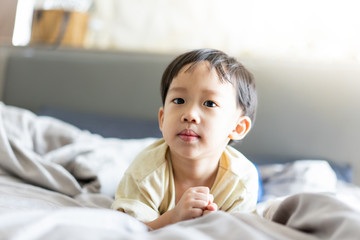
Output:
(191, 205)
(162, 221)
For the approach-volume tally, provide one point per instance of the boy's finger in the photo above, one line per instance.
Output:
(211, 198)
(199, 204)
(211, 207)
(202, 197)
(205, 190)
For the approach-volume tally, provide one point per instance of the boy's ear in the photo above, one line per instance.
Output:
(161, 117)
(241, 129)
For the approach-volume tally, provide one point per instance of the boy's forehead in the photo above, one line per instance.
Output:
(204, 75)
(220, 72)
(203, 67)
(188, 68)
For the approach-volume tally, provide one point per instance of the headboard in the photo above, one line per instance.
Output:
(306, 109)
(97, 82)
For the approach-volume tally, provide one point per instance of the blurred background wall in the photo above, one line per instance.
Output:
(321, 30)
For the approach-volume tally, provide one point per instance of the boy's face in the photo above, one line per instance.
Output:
(200, 114)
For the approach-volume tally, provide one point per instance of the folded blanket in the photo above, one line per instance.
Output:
(320, 215)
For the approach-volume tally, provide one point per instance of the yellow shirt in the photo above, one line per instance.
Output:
(147, 188)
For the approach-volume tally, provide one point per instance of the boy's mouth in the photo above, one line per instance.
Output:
(188, 135)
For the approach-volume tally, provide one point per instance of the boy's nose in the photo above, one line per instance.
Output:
(190, 120)
(190, 116)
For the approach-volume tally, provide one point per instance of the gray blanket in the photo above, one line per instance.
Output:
(302, 217)
(52, 177)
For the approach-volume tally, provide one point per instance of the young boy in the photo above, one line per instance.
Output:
(208, 99)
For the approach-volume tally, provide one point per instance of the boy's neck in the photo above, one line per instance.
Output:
(193, 173)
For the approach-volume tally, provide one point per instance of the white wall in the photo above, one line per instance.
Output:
(322, 30)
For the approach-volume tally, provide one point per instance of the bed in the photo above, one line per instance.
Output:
(72, 121)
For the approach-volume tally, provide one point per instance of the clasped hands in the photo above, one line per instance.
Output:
(195, 202)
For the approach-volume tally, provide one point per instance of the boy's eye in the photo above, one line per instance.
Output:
(209, 103)
(179, 101)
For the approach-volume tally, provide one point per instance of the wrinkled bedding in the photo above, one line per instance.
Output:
(57, 182)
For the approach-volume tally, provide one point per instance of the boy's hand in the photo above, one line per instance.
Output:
(193, 203)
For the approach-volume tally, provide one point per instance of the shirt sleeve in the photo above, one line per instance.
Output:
(244, 196)
(131, 199)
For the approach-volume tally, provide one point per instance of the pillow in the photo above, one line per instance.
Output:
(109, 160)
(281, 180)
(343, 172)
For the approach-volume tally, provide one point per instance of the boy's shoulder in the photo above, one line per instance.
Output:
(149, 160)
(237, 163)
